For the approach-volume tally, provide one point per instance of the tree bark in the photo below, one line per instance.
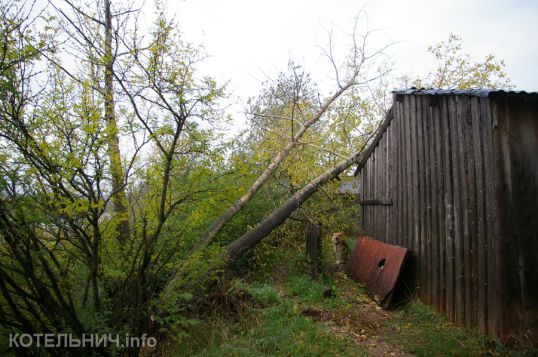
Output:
(238, 247)
(215, 228)
(119, 197)
(241, 245)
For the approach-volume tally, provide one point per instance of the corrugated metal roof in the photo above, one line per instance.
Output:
(478, 92)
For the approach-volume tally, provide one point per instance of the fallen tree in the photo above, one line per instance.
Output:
(219, 223)
(359, 59)
(246, 242)
(233, 251)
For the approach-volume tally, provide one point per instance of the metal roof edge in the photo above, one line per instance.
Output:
(477, 92)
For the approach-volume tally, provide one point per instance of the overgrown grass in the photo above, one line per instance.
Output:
(421, 330)
(271, 321)
(276, 329)
(281, 330)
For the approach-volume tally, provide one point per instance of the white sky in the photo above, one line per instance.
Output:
(247, 38)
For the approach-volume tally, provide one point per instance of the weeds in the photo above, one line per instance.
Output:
(281, 311)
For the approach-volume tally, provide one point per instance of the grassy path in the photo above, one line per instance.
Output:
(285, 313)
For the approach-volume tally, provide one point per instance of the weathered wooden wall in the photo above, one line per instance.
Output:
(461, 172)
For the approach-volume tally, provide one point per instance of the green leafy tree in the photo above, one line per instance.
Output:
(63, 268)
(456, 69)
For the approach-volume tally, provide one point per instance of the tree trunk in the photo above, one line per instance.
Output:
(215, 228)
(119, 197)
(238, 247)
(241, 245)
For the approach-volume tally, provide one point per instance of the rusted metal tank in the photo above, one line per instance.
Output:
(377, 265)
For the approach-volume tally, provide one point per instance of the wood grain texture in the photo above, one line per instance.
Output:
(454, 178)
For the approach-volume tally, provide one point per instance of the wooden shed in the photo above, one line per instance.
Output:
(454, 178)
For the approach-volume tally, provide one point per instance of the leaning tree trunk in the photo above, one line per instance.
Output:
(119, 197)
(241, 245)
(215, 228)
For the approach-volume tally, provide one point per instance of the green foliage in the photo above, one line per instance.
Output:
(263, 293)
(59, 256)
(427, 333)
(308, 290)
(276, 331)
(273, 323)
(456, 69)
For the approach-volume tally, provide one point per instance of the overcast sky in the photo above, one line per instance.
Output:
(248, 39)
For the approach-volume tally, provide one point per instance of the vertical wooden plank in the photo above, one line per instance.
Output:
(440, 201)
(456, 121)
(518, 133)
(366, 174)
(507, 239)
(369, 208)
(373, 194)
(449, 210)
(420, 197)
(397, 192)
(417, 197)
(415, 233)
(382, 181)
(428, 163)
(375, 184)
(394, 185)
(433, 210)
(387, 178)
(481, 241)
(412, 206)
(425, 198)
(401, 175)
(370, 193)
(408, 184)
(473, 233)
(383, 194)
(364, 196)
(375, 191)
(508, 185)
(473, 219)
(391, 191)
(491, 233)
(369, 216)
(467, 182)
(388, 181)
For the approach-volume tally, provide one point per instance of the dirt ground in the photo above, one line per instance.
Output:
(365, 322)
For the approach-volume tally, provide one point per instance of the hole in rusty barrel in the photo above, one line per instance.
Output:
(381, 264)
